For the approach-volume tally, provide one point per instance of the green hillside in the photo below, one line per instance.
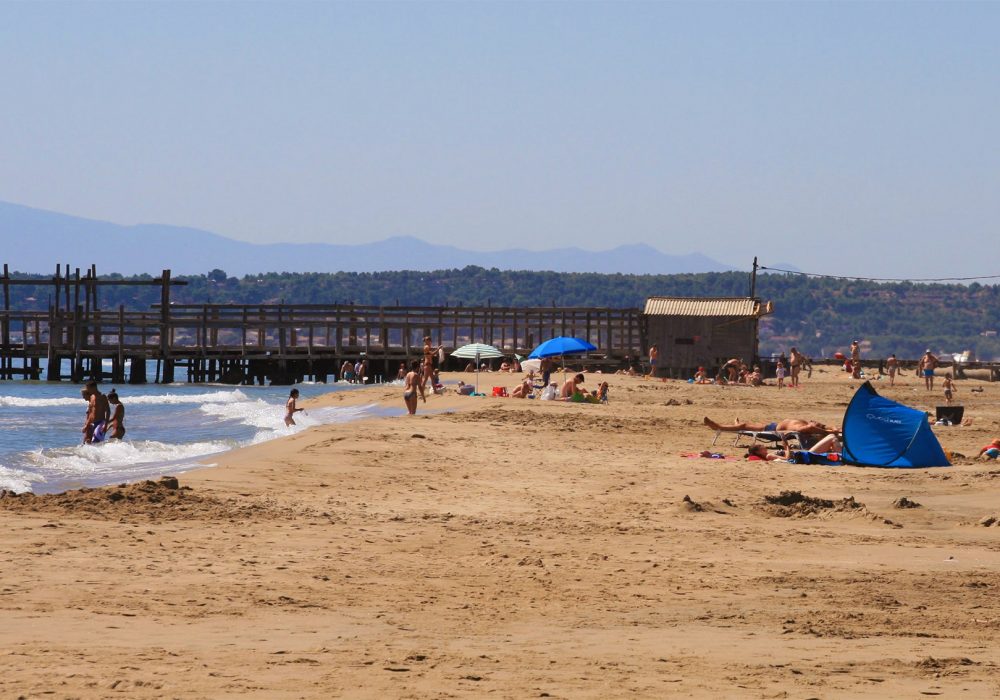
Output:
(819, 316)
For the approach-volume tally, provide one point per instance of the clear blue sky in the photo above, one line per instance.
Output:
(856, 138)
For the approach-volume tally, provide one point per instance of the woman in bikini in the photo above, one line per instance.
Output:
(414, 383)
(428, 367)
(116, 424)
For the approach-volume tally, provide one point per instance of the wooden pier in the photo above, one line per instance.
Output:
(271, 343)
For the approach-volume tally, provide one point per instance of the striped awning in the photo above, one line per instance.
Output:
(719, 306)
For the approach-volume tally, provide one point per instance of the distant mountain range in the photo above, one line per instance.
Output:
(35, 240)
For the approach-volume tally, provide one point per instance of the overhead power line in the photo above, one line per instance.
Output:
(882, 279)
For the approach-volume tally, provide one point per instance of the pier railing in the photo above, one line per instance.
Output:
(241, 342)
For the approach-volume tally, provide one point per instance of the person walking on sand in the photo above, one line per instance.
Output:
(892, 366)
(116, 424)
(855, 360)
(414, 384)
(795, 362)
(428, 366)
(949, 388)
(290, 408)
(925, 368)
(779, 372)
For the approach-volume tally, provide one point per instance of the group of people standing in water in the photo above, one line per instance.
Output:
(105, 415)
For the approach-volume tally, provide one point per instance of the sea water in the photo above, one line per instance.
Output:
(169, 429)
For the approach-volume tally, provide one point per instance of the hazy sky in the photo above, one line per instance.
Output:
(853, 138)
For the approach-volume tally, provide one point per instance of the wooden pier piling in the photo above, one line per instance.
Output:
(276, 343)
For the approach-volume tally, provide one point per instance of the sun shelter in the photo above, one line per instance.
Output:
(879, 432)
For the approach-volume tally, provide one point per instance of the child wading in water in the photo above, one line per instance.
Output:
(949, 388)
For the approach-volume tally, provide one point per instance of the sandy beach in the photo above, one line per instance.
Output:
(519, 548)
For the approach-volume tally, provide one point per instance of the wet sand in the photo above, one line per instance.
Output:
(509, 548)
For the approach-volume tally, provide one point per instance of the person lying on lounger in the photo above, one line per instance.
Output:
(788, 425)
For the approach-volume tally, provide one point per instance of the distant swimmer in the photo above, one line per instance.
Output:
(290, 408)
(97, 413)
(116, 424)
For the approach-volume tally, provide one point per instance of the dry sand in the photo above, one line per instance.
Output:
(506, 548)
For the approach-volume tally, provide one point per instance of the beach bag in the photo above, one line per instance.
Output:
(804, 457)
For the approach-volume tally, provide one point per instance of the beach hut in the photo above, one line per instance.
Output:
(692, 332)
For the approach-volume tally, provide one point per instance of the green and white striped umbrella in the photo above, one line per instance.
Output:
(477, 351)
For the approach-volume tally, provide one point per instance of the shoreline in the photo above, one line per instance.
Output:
(518, 547)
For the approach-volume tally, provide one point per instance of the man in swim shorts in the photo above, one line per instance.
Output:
(97, 412)
(926, 369)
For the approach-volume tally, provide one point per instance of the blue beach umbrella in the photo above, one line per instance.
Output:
(562, 345)
(559, 346)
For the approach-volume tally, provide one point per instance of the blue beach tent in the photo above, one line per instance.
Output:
(879, 432)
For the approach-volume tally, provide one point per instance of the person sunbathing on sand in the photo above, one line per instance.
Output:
(522, 390)
(758, 450)
(571, 387)
(991, 451)
(788, 425)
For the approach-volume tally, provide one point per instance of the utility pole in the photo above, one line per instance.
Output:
(753, 279)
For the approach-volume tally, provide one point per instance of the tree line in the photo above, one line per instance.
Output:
(819, 316)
